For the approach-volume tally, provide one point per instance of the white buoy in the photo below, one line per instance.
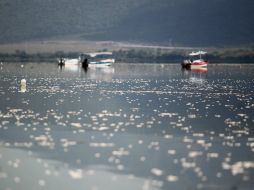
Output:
(23, 85)
(23, 82)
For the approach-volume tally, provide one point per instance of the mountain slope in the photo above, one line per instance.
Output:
(30, 19)
(193, 22)
(179, 22)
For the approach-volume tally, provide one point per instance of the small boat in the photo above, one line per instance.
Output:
(100, 59)
(61, 61)
(67, 61)
(195, 61)
(71, 61)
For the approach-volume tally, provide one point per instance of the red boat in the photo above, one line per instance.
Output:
(195, 61)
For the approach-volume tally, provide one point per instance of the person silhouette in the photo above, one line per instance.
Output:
(85, 63)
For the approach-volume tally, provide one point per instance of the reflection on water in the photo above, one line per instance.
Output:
(197, 75)
(126, 127)
(105, 72)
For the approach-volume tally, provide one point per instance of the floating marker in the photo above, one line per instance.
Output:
(23, 82)
(23, 85)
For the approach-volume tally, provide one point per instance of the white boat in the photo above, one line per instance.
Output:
(67, 61)
(100, 59)
(71, 61)
(195, 60)
(96, 59)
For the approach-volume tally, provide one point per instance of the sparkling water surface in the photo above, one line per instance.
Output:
(128, 127)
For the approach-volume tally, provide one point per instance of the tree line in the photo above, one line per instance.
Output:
(128, 56)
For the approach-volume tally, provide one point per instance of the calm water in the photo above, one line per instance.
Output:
(128, 127)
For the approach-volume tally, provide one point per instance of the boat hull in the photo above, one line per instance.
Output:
(102, 63)
(193, 65)
(200, 65)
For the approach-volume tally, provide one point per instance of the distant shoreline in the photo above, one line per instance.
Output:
(50, 51)
(129, 56)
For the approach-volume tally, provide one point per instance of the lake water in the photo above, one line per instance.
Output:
(128, 127)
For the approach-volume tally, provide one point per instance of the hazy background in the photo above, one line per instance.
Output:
(168, 22)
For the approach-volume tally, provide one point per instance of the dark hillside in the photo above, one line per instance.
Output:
(193, 22)
(33, 19)
(171, 22)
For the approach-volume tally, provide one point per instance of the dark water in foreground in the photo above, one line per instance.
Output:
(128, 127)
